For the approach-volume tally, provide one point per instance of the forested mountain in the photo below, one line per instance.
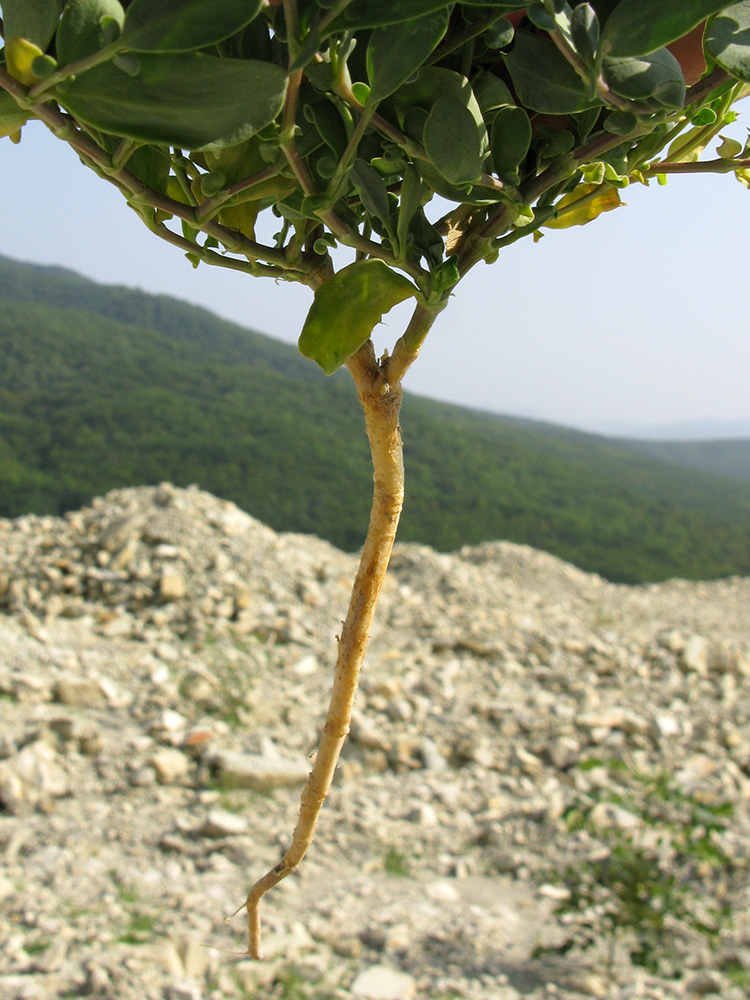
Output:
(105, 386)
(730, 457)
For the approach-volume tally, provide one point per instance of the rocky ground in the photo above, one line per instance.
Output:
(545, 793)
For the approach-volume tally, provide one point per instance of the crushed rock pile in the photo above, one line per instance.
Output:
(545, 791)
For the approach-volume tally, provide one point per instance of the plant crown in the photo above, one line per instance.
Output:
(424, 135)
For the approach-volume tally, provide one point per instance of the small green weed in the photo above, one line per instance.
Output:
(397, 864)
(292, 988)
(36, 947)
(140, 928)
(641, 885)
(737, 974)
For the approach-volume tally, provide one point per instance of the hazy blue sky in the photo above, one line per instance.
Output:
(639, 318)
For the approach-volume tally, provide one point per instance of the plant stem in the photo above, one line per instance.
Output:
(407, 347)
(381, 402)
(717, 166)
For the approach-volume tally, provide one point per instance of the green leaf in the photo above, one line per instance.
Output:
(190, 101)
(151, 165)
(413, 103)
(491, 93)
(510, 139)
(727, 40)
(706, 116)
(81, 31)
(11, 116)
(326, 118)
(637, 27)
(499, 34)
(412, 190)
(452, 142)
(395, 52)
(544, 79)
(584, 30)
(656, 77)
(376, 14)
(347, 308)
(729, 148)
(43, 66)
(128, 62)
(433, 83)
(620, 122)
(35, 20)
(183, 25)
(426, 238)
(242, 161)
(539, 16)
(444, 277)
(372, 191)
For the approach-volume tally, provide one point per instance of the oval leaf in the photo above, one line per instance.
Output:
(491, 93)
(452, 141)
(35, 20)
(81, 31)
(372, 191)
(637, 27)
(584, 30)
(511, 139)
(544, 79)
(346, 310)
(728, 40)
(397, 51)
(582, 205)
(191, 101)
(656, 76)
(183, 25)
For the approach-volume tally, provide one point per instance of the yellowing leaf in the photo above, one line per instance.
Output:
(20, 53)
(729, 148)
(584, 204)
(347, 309)
(241, 217)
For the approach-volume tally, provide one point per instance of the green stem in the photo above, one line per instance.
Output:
(220, 260)
(717, 166)
(179, 167)
(348, 155)
(212, 205)
(288, 145)
(291, 16)
(74, 69)
(407, 347)
(409, 146)
(123, 152)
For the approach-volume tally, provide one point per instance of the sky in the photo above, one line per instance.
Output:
(634, 322)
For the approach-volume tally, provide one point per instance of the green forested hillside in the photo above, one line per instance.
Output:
(730, 457)
(103, 387)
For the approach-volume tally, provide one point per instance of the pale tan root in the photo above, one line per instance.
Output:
(381, 403)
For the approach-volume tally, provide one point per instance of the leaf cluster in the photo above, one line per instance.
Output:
(425, 135)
